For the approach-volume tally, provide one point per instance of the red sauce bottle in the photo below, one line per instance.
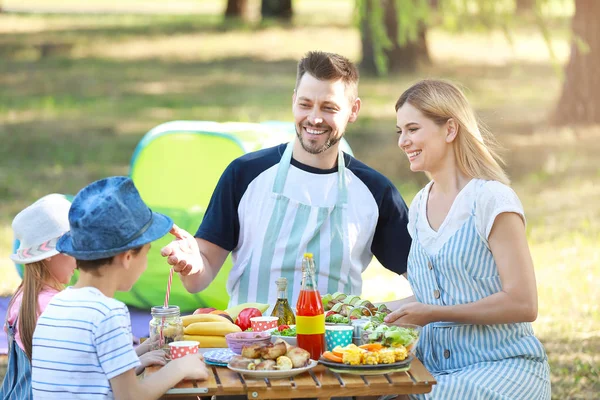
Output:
(310, 316)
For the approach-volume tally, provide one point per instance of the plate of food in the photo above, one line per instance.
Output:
(381, 369)
(370, 359)
(274, 360)
(274, 373)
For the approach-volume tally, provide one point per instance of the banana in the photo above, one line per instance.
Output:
(207, 341)
(190, 319)
(211, 328)
(235, 310)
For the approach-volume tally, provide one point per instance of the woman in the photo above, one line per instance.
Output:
(469, 264)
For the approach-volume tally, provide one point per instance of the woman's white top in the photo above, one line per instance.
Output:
(490, 198)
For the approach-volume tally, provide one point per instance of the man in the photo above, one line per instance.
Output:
(273, 205)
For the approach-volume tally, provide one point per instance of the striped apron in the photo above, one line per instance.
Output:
(17, 381)
(290, 229)
(504, 361)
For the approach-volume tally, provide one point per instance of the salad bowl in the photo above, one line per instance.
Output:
(289, 335)
(390, 335)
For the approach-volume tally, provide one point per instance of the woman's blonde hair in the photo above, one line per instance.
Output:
(475, 148)
(35, 277)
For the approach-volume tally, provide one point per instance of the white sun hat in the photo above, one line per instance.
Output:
(38, 228)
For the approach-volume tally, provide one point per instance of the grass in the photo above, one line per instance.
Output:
(75, 114)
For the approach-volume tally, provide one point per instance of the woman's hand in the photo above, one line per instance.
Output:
(155, 357)
(411, 313)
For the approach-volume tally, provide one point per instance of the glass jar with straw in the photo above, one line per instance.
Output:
(166, 325)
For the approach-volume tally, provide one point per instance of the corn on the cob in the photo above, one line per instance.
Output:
(386, 356)
(351, 358)
(400, 353)
(370, 358)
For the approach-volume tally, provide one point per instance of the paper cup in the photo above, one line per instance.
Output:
(338, 335)
(261, 324)
(183, 348)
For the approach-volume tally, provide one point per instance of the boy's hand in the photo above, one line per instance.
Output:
(155, 357)
(146, 346)
(192, 366)
(183, 252)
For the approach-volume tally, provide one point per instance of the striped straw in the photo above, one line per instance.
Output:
(169, 288)
(162, 341)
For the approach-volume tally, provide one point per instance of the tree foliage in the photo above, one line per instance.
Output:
(454, 15)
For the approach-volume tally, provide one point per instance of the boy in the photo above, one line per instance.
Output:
(82, 345)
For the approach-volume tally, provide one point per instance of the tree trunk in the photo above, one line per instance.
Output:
(237, 9)
(579, 102)
(524, 6)
(279, 9)
(403, 58)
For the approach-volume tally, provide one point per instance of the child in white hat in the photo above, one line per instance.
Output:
(45, 273)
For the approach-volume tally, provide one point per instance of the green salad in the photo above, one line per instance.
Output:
(392, 336)
(285, 332)
(337, 319)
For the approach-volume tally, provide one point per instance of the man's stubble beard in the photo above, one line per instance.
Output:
(328, 144)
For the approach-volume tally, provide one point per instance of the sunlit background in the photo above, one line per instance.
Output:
(81, 82)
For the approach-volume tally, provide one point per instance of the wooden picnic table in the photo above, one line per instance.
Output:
(318, 382)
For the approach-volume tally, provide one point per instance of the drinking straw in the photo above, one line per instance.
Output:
(168, 288)
(166, 304)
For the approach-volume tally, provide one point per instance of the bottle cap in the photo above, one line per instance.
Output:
(308, 255)
(281, 283)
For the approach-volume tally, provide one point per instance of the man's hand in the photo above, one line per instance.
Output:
(411, 313)
(183, 252)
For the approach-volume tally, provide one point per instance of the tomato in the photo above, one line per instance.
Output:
(283, 327)
(243, 318)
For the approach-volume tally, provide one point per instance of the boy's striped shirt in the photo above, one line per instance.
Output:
(81, 341)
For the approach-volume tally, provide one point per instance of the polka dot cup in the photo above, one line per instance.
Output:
(261, 324)
(338, 335)
(183, 348)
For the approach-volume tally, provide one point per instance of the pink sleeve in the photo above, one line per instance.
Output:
(44, 298)
(13, 311)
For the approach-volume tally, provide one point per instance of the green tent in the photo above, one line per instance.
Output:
(176, 167)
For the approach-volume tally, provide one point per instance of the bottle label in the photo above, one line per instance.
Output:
(310, 325)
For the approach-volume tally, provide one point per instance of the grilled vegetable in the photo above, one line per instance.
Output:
(284, 363)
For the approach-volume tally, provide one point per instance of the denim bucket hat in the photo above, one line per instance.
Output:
(108, 217)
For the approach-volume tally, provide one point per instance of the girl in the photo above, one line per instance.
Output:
(469, 264)
(45, 273)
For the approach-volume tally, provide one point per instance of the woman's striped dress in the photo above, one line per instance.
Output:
(472, 361)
